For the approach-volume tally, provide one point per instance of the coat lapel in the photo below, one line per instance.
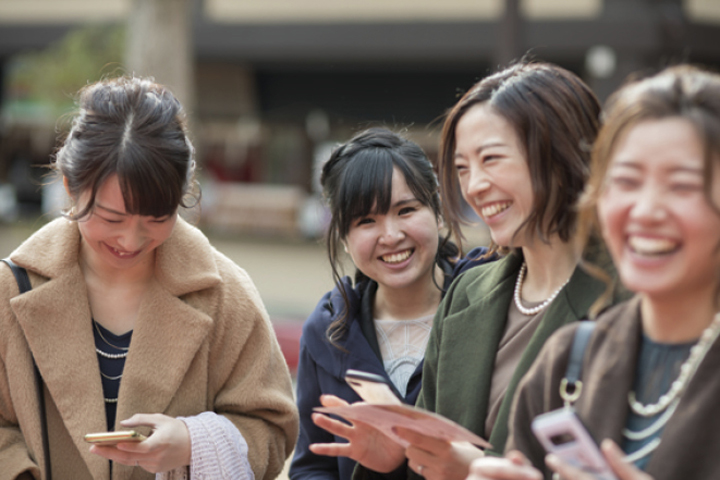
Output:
(572, 304)
(483, 320)
(60, 337)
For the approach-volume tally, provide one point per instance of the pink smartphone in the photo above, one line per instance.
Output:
(561, 432)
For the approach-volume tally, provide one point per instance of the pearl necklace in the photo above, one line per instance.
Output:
(687, 370)
(537, 308)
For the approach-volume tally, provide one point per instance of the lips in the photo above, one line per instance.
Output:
(122, 253)
(652, 246)
(397, 257)
(490, 211)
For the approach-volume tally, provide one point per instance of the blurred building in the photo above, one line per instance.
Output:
(276, 80)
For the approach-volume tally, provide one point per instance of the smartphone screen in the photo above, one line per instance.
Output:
(373, 388)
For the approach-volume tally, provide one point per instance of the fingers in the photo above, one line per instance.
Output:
(518, 458)
(424, 442)
(333, 426)
(331, 449)
(616, 458)
(143, 419)
(497, 468)
(332, 401)
(119, 456)
(565, 470)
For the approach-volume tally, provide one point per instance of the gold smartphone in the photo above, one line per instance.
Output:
(113, 438)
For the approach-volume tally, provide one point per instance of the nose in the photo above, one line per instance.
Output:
(392, 232)
(132, 238)
(478, 181)
(649, 205)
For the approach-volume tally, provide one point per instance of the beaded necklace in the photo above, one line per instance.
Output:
(536, 308)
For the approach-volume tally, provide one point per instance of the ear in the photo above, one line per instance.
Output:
(66, 184)
(345, 247)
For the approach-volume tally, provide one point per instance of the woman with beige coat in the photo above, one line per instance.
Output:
(134, 320)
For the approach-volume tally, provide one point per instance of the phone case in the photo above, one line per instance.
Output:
(561, 432)
(112, 438)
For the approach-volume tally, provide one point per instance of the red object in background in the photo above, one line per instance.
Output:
(288, 333)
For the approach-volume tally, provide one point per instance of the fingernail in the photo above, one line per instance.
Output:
(551, 460)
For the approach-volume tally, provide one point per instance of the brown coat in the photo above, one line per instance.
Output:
(202, 342)
(691, 438)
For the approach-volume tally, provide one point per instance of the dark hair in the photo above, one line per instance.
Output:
(357, 181)
(555, 116)
(133, 128)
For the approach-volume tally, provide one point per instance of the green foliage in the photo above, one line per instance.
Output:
(50, 78)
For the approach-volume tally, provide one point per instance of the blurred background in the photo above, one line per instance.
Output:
(271, 86)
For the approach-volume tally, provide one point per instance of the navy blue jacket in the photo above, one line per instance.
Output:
(322, 366)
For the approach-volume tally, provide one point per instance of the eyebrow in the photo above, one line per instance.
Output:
(110, 210)
(485, 146)
(678, 169)
(405, 202)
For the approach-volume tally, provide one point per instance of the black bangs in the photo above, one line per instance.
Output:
(150, 187)
(365, 186)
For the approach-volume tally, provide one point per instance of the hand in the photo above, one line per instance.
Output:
(439, 459)
(367, 445)
(615, 458)
(515, 466)
(167, 448)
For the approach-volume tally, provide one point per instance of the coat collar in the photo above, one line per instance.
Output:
(56, 320)
(182, 264)
(489, 292)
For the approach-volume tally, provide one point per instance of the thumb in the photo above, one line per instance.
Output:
(141, 419)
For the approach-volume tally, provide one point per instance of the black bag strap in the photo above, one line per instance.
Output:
(571, 385)
(23, 281)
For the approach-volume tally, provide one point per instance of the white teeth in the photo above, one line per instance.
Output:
(397, 257)
(651, 246)
(494, 209)
(122, 254)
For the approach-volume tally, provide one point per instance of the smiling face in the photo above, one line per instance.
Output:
(396, 249)
(660, 229)
(115, 239)
(493, 173)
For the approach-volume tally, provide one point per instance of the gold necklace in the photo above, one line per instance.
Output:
(97, 327)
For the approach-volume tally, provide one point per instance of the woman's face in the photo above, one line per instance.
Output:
(396, 249)
(493, 173)
(660, 229)
(117, 240)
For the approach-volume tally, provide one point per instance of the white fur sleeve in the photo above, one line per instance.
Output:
(219, 450)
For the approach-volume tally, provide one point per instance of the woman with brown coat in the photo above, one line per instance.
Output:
(134, 320)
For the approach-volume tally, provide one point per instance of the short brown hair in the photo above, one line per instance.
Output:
(555, 115)
(133, 128)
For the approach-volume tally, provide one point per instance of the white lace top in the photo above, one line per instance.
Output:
(402, 345)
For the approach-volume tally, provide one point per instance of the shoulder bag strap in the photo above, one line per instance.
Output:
(23, 281)
(571, 385)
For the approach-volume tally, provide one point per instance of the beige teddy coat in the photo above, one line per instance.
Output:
(202, 342)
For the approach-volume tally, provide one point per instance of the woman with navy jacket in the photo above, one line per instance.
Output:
(386, 213)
